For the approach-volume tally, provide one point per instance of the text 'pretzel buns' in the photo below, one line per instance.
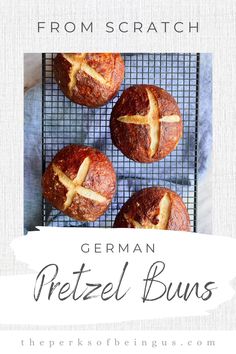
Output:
(146, 123)
(80, 181)
(154, 208)
(89, 79)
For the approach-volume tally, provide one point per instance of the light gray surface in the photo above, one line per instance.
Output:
(217, 35)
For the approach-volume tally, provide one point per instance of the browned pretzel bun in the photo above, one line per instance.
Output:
(89, 79)
(154, 208)
(146, 123)
(80, 181)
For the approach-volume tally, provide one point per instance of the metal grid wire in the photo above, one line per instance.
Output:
(66, 123)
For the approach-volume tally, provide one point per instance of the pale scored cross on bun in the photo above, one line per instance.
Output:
(89, 79)
(146, 123)
(154, 208)
(80, 181)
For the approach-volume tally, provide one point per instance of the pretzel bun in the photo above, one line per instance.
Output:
(146, 123)
(154, 208)
(89, 79)
(80, 181)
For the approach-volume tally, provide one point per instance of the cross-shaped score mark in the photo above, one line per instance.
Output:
(163, 216)
(152, 119)
(75, 186)
(78, 63)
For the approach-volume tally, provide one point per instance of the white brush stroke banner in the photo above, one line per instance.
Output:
(111, 280)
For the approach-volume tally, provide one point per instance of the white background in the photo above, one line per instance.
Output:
(193, 342)
(217, 35)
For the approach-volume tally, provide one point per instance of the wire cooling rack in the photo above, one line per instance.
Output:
(67, 123)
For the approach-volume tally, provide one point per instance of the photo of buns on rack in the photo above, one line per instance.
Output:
(89, 79)
(141, 111)
(146, 123)
(154, 208)
(80, 181)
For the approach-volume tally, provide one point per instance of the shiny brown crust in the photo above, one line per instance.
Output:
(87, 90)
(134, 139)
(100, 178)
(143, 207)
